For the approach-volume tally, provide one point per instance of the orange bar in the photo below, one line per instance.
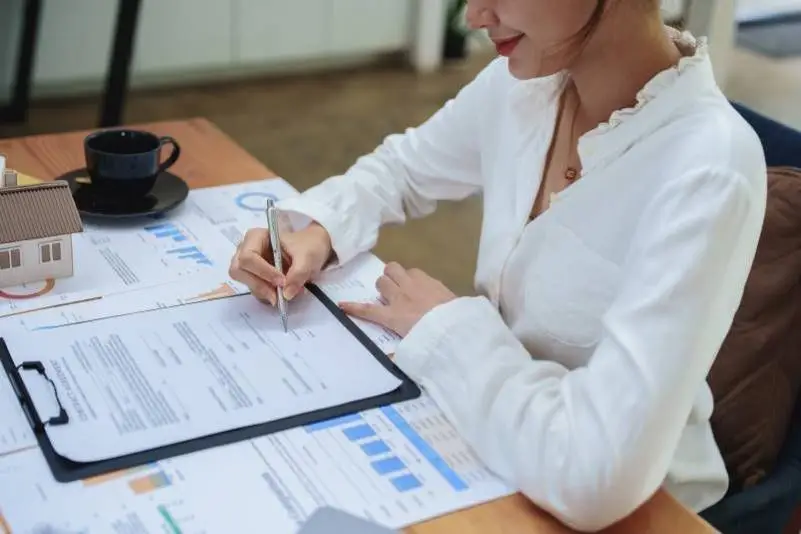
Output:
(101, 479)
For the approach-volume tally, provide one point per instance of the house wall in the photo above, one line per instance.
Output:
(32, 269)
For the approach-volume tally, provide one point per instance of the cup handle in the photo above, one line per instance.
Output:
(176, 151)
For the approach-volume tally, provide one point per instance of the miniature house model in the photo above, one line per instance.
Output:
(36, 227)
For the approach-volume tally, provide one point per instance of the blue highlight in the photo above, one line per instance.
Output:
(355, 433)
(425, 449)
(406, 483)
(335, 422)
(374, 448)
(388, 465)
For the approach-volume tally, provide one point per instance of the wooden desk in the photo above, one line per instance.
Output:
(209, 157)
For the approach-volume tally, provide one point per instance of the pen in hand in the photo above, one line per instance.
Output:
(275, 243)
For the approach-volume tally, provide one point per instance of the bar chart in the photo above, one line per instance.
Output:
(382, 459)
(150, 482)
(191, 254)
(167, 230)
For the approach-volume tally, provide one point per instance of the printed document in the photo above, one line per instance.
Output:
(142, 381)
(396, 466)
(200, 236)
(15, 432)
(353, 282)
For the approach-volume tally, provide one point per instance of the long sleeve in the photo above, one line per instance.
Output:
(592, 444)
(404, 177)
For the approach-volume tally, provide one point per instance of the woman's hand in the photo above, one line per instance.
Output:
(407, 295)
(305, 253)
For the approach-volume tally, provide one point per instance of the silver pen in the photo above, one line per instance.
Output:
(275, 242)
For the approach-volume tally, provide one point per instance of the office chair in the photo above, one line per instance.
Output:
(767, 507)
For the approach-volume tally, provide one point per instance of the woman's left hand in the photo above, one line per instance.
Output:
(407, 295)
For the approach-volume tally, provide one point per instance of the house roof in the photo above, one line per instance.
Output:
(37, 211)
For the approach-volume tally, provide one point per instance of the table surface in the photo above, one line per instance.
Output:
(208, 158)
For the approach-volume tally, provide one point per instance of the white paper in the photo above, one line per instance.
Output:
(276, 481)
(190, 290)
(355, 282)
(43, 295)
(117, 256)
(352, 282)
(139, 382)
(15, 432)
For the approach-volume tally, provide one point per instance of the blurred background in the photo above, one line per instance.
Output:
(307, 86)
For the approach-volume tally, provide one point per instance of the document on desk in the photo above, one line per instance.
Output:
(353, 282)
(396, 466)
(15, 432)
(143, 381)
(118, 256)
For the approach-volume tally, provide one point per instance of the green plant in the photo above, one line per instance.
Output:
(456, 31)
(454, 18)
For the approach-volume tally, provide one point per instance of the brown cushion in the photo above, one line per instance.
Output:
(756, 377)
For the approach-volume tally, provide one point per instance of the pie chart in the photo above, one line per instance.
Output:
(254, 200)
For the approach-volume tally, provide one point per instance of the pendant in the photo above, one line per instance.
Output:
(571, 174)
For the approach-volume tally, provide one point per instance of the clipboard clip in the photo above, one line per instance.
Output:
(27, 403)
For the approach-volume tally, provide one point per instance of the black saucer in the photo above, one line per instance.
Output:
(168, 193)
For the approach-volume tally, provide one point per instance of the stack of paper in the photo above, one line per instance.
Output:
(396, 465)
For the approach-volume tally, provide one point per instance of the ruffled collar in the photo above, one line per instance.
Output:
(654, 105)
(695, 52)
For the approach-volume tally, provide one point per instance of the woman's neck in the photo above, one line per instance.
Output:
(620, 59)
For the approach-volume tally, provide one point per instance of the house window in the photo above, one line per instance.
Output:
(10, 258)
(49, 252)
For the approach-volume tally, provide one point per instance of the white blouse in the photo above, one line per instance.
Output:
(579, 374)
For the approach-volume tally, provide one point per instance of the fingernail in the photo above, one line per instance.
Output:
(290, 292)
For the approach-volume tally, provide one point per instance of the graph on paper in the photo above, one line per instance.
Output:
(167, 230)
(397, 465)
(364, 438)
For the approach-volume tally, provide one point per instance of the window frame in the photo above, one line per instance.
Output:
(9, 253)
(47, 252)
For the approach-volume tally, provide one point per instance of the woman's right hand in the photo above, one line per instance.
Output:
(305, 253)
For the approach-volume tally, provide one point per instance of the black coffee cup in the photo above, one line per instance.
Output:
(126, 163)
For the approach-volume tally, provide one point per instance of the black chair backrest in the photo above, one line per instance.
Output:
(781, 143)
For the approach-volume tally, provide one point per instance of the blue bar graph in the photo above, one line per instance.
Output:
(191, 253)
(185, 250)
(166, 231)
(405, 483)
(374, 448)
(335, 422)
(355, 433)
(388, 465)
(159, 227)
(426, 450)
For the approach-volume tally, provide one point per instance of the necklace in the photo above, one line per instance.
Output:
(571, 173)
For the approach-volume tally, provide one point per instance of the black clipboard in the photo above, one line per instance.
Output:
(65, 470)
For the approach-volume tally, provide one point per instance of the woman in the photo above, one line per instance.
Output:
(623, 200)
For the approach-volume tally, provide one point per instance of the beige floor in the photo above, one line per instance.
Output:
(309, 127)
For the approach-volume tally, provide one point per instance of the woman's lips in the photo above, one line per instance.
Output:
(505, 47)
